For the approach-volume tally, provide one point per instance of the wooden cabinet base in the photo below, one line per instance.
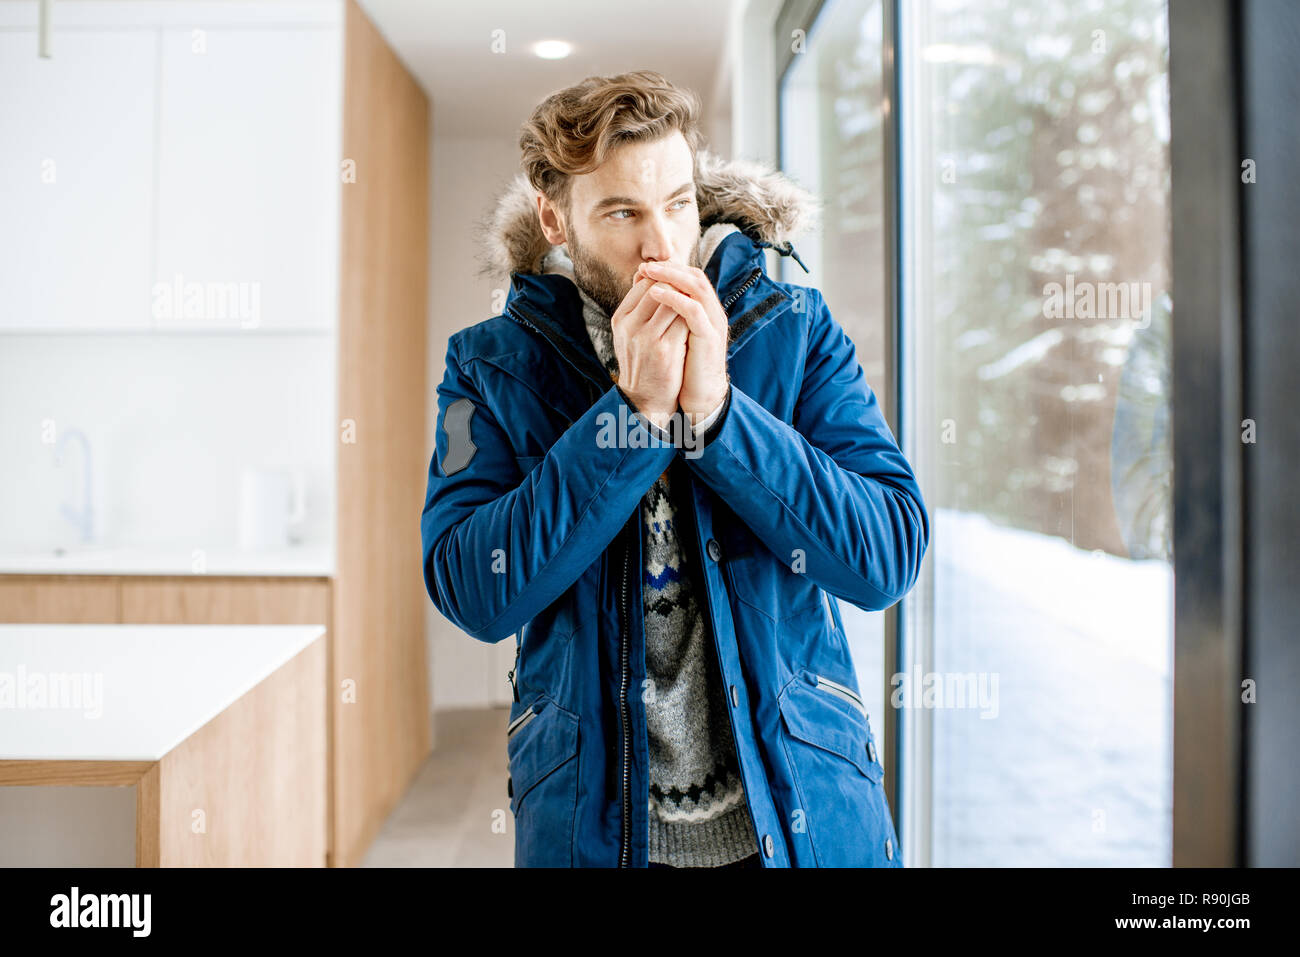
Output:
(248, 789)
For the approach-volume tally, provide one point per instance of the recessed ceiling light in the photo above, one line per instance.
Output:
(552, 49)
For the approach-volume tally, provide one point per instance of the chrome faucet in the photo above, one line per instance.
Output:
(83, 518)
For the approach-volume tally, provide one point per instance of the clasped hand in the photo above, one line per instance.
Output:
(670, 339)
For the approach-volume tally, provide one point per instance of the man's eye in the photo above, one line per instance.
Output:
(677, 206)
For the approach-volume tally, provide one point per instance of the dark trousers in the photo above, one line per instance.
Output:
(746, 863)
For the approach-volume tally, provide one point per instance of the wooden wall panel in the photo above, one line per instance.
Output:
(57, 599)
(226, 601)
(383, 737)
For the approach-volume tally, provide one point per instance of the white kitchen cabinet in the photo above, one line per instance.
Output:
(194, 150)
(76, 180)
(248, 178)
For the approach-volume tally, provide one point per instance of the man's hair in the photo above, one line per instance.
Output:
(572, 131)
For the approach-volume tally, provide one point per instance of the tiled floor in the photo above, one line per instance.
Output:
(456, 812)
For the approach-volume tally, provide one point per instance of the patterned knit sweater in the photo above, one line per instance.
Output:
(698, 814)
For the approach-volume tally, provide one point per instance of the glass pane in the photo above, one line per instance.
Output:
(831, 142)
(1036, 323)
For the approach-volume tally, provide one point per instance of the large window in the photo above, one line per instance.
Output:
(1034, 687)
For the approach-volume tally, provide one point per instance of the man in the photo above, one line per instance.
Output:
(651, 407)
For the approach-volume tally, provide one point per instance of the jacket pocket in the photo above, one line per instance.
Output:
(812, 711)
(846, 819)
(542, 748)
(845, 693)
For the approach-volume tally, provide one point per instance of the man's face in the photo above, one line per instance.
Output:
(638, 206)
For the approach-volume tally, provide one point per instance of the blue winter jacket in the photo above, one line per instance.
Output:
(801, 497)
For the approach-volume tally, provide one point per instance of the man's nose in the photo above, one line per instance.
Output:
(657, 244)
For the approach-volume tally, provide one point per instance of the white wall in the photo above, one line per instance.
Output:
(171, 419)
(468, 172)
(753, 82)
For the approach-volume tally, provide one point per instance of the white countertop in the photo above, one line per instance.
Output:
(295, 561)
(150, 686)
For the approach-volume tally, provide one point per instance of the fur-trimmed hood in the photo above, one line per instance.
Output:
(752, 196)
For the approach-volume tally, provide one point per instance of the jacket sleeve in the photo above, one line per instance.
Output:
(834, 484)
(499, 546)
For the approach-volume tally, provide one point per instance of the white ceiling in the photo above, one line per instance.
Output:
(448, 47)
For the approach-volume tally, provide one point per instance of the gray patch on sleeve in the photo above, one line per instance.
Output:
(460, 449)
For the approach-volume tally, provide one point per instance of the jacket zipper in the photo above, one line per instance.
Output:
(732, 297)
(520, 721)
(834, 687)
(511, 675)
(717, 648)
(624, 718)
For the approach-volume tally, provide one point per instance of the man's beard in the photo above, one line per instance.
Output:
(597, 280)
